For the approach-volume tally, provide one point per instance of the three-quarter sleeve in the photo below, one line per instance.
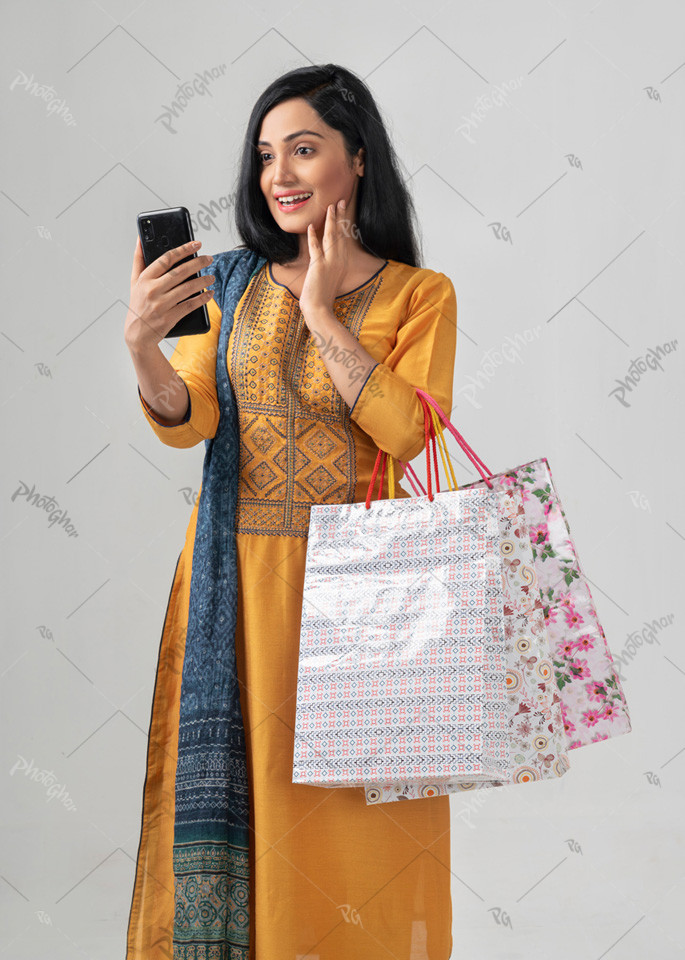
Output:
(387, 407)
(194, 360)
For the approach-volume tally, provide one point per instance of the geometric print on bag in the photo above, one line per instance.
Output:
(402, 649)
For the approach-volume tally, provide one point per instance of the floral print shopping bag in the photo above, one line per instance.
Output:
(593, 703)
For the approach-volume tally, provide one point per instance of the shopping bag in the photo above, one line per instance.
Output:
(401, 672)
(538, 747)
(593, 703)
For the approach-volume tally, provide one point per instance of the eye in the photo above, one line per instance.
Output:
(301, 147)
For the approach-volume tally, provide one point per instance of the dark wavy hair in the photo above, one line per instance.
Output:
(385, 209)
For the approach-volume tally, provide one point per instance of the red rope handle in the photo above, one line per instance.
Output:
(470, 453)
(384, 460)
(416, 484)
(426, 431)
(430, 438)
(372, 484)
(381, 458)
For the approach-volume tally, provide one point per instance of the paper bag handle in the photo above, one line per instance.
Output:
(473, 457)
(433, 432)
(381, 458)
(470, 453)
(432, 435)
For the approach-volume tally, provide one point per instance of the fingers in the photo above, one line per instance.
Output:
(340, 220)
(331, 227)
(172, 257)
(138, 261)
(332, 231)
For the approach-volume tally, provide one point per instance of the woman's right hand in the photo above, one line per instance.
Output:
(157, 297)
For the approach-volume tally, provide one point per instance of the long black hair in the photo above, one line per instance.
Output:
(385, 210)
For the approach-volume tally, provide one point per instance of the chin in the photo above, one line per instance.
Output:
(295, 229)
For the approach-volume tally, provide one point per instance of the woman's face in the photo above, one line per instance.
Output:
(299, 152)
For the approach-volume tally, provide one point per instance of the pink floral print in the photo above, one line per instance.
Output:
(592, 700)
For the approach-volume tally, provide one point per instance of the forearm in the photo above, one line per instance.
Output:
(161, 387)
(347, 362)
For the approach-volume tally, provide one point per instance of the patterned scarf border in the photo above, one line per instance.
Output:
(211, 826)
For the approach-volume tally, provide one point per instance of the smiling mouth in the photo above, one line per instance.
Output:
(288, 203)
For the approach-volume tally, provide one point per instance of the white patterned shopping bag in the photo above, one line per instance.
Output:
(402, 653)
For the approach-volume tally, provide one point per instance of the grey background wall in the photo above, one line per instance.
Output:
(544, 145)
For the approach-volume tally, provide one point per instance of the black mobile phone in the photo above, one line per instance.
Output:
(161, 231)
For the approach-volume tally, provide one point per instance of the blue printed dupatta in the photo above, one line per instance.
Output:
(212, 814)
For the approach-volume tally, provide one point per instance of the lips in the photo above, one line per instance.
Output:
(286, 194)
(292, 205)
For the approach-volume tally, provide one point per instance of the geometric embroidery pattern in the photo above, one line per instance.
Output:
(297, 447)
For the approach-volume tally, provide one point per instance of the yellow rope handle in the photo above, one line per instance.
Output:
(440, 437)
(391, 478)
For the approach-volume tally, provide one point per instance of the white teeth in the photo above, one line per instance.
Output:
(287, 200)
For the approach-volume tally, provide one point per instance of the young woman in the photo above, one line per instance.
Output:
(335, 327)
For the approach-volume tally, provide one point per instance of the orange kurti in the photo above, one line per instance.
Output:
(331, 877)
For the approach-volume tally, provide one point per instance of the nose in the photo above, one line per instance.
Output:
(282, 176)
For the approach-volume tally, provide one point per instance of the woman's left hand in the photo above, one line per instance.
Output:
(327, 264)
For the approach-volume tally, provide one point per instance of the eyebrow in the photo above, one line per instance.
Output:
(291, 136)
